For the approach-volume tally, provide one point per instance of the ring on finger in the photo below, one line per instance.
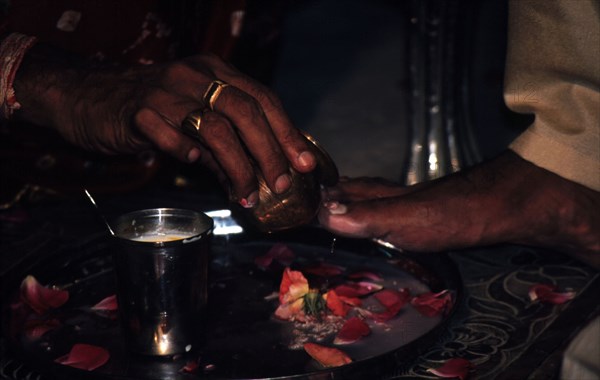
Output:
(191, 124)
(213, 92)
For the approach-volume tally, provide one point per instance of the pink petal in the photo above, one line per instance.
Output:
(547, 294)
(335, 304)
(325, 270)
(432, 304)
(456, 367)
(352, 330)
(327, 356)
(365, 274)
(36, 328)
(357, 289)
(107, 304)
(40, 298)
(85, 356)
(280, 252)
(291, 311)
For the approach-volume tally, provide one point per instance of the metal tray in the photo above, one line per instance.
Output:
(243, 340)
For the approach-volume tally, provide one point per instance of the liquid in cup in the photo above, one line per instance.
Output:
(161, 261)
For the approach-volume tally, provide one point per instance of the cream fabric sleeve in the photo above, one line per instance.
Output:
(553, 72)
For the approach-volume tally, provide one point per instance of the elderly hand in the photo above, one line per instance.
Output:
(127, 109)
(504, 200)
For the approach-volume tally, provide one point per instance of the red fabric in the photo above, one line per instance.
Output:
(132, 31)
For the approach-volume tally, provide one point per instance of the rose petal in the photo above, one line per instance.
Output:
(36, 328)
(325, 270)
(293, 286)
(291, 311)
(280, 252)
(357, 289)
(391, 298)
(40, 298)
(107, 304)
(335, 304)
(190, 367)
(352, 301)
(352, 330)
(327, 356)
(85, 356)
(432, 304)
(456, 367)
(393, 301)
(263, 261)
(547, 294)
(365, 274)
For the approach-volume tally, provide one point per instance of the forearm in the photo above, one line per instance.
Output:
(505, 200)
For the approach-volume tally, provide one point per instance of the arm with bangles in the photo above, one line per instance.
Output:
(120, 109)
(543, 191)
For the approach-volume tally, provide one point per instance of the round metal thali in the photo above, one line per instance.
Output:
(243, 339)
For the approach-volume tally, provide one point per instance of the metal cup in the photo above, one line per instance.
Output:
(161, 261)
(300, 203)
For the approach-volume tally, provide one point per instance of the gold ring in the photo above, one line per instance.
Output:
(191, 124)
(212, 93)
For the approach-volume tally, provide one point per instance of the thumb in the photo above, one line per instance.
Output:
(345, 219)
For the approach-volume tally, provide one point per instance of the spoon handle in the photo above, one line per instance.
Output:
(98, 210)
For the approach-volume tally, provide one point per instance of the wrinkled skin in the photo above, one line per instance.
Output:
(505, 200)
(117, 110)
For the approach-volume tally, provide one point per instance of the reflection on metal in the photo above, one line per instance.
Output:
(224, 223)
(442, 141)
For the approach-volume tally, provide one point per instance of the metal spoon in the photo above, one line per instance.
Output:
(99, 213)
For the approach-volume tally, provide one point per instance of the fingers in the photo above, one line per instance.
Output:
(246, 129)
(294, 145)
(217, 136)
(406, 222)
(161, 132)
(254, 130)
(355, 220)
(270, 113)
(364, 188)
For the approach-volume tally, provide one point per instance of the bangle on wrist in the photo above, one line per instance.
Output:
(12, 50)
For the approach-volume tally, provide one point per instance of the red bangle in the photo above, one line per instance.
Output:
(12, 50)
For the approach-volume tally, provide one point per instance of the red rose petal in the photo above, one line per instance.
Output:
(36, 328)
(107, 304)
(263, 261)
(327, 356)
(365, 274)
(85, 356)
(293, 286)
(432, 304)
(190, 367)
(357, 289)
(280, 252)
(547, 294)
(336, 305)
(40, 298)
(393, 298)
(352, 301)
(291, 311)
(352, 330)
(325, 270)
(456, 367)
(393, 301)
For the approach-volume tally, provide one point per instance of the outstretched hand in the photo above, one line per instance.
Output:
(504, 200)
(117, 110)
